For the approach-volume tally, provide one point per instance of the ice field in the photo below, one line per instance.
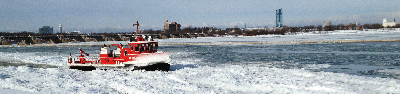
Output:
(301, 63)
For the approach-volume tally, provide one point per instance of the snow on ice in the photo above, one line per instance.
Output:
(187, 77)
(203, 79)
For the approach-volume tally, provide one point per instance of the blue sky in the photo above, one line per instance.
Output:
(119, 15)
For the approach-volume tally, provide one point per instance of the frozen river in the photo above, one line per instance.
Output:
(366, 67)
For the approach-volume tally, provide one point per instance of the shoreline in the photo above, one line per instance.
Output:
(223, 43)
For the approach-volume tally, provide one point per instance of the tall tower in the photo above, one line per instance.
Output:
(279, 20)
(166, 25)
(59, 25)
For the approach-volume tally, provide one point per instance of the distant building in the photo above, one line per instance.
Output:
(75, 32)
(60, 26)
(279, 20)
(326, 24)
(233, 30)
(46, 30)
(166, 25)
(352, 26)
(171, 27)
(386, 24)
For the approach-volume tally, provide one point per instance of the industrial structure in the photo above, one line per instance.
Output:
(46, 30)
(171, 27)
(386, 24)
(279, 20)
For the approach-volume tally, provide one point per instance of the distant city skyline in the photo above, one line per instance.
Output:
(119, 15)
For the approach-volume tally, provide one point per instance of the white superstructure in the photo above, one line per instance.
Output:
(386, 24)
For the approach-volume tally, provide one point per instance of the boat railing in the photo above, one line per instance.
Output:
(73, 60)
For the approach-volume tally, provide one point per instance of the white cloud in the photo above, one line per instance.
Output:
(236, 24)
(156, 27)
(205, 24)
(186, 25)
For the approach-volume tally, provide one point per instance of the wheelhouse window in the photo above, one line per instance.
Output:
(154, 46)
(137, 47)
(147, 48)
(142, 48)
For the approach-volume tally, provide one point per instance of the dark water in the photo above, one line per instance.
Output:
(364, 59)
(386, 54)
